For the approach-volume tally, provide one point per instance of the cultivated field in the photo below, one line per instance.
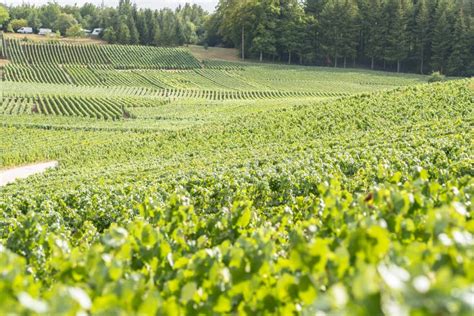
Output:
(53, 38)
(189, 186)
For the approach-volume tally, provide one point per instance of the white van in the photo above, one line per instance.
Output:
(25, 30)
(96, 32)
(45, 31)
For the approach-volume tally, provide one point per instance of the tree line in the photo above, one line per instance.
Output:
(401, 35)
(124, 24)
(410, 35)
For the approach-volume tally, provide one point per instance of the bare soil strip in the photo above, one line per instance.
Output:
(229, 54)
(11, 175)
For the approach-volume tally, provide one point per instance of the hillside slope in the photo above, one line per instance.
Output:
(76, 85)
(358, 204)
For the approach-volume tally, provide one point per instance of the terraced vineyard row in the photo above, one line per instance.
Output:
(151, 69)
(16, 105)
(92, 107)
(53, 53)
(82, 107)
(106, 75)
(42, 73)
(118, 56)
(228, 85)
(25, 89)
(155, 98)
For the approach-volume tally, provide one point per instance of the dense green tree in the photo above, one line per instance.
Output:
(4, 15)
(142, 28)
(291, 26)
(396, 36)
(190, 32)
(460, 54)
(374, 31)
(179, 35)
(110, 35)
(423, 35)
(441, 45)
(422, 27)
(64, 22)
(50, 14)
(156, 34)
(307, 47)
(350, 30)
(134, 35)
(151, 24)
(238, 17)
(213, 31)
(315, 7)
(168, 27)
(16, 24)
(75, 31)
(34, 19)
(332, 25)
(125, 7)
(123, 32)
(264, 39)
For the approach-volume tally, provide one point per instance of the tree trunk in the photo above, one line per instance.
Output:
(301, 59)
(422, 61)
(261, 56)
(398, 65)
(243, 42)
(384, 64)
(353, 62)
(289, 57)
(372, 64)
(345, 62)
(335, 60)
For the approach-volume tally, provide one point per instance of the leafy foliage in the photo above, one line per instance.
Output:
(357, 205)
(436, 77)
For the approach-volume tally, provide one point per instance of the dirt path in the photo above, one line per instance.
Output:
(229, 54)
(10, 175)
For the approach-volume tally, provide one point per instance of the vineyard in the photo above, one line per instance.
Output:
(100, 108)
(190, 187)
(86, 80)
(359, 203)
(120, 57)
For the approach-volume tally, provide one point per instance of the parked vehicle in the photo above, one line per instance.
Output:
(25, 30)
(45, 31)
(97, 32)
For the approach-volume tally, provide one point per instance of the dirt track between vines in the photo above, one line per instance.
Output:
(8, 176)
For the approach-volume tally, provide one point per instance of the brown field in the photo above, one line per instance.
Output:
(230, 54)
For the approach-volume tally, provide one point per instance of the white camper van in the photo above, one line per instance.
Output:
(25, 30)
(45, 31)
(96, 32)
